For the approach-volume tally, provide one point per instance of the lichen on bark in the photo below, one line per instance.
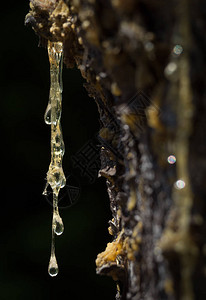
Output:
(142, 61)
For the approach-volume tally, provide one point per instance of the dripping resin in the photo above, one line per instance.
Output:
(55, 175)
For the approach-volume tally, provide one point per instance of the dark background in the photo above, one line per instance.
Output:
(25, 155)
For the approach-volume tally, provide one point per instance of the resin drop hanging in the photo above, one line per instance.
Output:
(55, 175)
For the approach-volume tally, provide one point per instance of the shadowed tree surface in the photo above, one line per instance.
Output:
(143, 62)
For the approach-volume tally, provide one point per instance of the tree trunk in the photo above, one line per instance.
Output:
(143, 62)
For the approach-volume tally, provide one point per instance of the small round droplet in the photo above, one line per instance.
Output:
(102, 74)
(47, 115)
(59, 227)
(63, 183)
(170, 69)
(171, 159)
(179, 184)
(53, 267)
(53, 271)
(149, 46)
(177, 50)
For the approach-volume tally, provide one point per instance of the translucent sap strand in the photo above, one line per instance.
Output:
(55, 175)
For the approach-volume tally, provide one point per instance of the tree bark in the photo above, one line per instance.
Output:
(143, 62)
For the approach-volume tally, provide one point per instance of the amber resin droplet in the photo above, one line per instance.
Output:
(55, 175)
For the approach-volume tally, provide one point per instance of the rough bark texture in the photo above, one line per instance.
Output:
(143, 62)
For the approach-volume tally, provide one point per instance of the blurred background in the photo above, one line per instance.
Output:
(26, 214)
